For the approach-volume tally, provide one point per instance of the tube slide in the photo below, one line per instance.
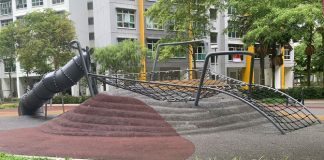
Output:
(51, 83)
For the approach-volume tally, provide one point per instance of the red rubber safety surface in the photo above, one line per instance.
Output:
(103, 127)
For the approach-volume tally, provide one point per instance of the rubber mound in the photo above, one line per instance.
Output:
(115, 116)
(103, 127)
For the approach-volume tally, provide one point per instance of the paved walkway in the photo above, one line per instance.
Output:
(248, 143)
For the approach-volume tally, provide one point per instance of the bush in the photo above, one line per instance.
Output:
(12, 99)
(8, 105)
(68, 99)
(309, 92)
(296, 92)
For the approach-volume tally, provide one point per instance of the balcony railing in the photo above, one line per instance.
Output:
(5, 8)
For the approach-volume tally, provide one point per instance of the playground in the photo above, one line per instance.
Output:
(195, 116)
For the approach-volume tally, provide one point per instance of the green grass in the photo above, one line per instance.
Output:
(5, 156)
(239, 158)
(273, 100)
(8, 105)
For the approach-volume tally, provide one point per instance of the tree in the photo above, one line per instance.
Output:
(121, 57)
(317, 64)
(7, 49)
(43, 40)
(302, 22)
(254, 20)
(182, 19)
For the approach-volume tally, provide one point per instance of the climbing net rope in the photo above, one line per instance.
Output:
(181, 85)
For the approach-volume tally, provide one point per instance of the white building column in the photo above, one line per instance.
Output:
(289, 78)
(278, 77)
(75, 90)
(18, 79)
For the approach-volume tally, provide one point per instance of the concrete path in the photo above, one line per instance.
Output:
(248, 143)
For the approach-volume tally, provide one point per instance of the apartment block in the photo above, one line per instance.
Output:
(102, 22)
(11, 10)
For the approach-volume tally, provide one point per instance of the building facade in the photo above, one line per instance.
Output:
(11, 10)
(102, 22)
(116, 20)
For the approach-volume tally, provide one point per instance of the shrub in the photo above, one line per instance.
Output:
(68, 99)
(309, 92)
(8, 105)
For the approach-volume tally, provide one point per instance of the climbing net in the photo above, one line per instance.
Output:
(181, 85)
(285, 111)
(173, 85)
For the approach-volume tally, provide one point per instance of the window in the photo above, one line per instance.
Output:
(199, 52)
(231, 10)
(213, 14)
(5, 8)
(171, 25)
(37, 2)
(120, 39)
(90, 21)
(57, 1)
(287, 54)
(90, 6)
(150, 43)
(5, 22)
(213, 37)
(125, 18)
(9, 65)
(232, 31)
(235, 47)
(21, 4)
(151, 25)
(91, 36)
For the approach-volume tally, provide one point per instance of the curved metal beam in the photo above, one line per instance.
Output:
(172, 44)
(202, 78)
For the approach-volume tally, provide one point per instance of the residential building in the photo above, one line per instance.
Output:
(102, 22)
(117, 20)
(11, 10)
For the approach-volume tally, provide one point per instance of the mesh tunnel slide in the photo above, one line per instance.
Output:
(53, 82)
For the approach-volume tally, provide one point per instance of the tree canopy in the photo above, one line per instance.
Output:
(183, 20)
(121, 57)
(42, 40)
(274, 22)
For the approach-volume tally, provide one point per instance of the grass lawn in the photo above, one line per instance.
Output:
(274, 100)
(6, 156)
(8, 105)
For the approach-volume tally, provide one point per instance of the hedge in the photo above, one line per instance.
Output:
(309, 92)
(68, 99)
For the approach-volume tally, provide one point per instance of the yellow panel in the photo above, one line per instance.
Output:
(246, 70)
(282, 69)
(142, 38)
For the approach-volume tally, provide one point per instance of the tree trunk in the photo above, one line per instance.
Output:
(323, 56)
(10, 84)
(273, 67)
(262, 82)
(309, 59)
(323, 74)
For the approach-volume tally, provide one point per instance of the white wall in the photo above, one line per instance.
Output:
(102, 22)
(79, 15)
(289, 77)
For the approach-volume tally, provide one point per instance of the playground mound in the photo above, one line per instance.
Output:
(115, 116)
(103, 127)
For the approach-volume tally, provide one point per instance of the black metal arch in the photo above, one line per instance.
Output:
(283, 111)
